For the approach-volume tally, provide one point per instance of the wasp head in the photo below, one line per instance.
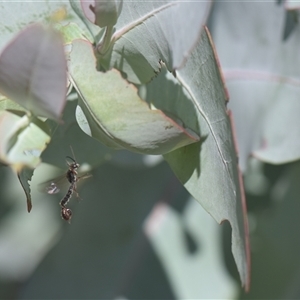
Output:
(74, 165)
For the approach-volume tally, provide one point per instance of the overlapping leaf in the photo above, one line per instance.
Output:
(267, 118)
(16, 15)
(116, 114)
(22, 140)
(262, 78)
(33, 71)
(154, 30)
(208, 169)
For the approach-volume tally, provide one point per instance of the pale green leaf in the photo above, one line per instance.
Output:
(33, 71)
(16, 15)
(24, 176)
(102, 13)
(116, 114)
(6, 104)
(151, 31)
(87, 152)
(209, 169)
(22, 140)
(262, 78)
(267, 118)
(70, 32)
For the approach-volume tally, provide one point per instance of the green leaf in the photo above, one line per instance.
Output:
(22, 140)
(16, 15)
(7, 104)
(24, 176)
(153, 31)
(92, 29)
(264, 89)
(116, 114)
(209, 169)
(167, 229)
(266, 117)
(87, 151)
(33, 71)
(104, 13)
(70, 32)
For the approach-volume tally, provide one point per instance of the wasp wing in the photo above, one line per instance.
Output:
(55, 185)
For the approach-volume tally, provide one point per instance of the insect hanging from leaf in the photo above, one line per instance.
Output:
(71, 177)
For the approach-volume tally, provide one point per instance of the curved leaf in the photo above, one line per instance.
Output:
(15, 15)
(22, 140)
(264, 89)
(153, 31)
(104, 13)
(24, 176)
(88, 152)
(116, 113)
(33, 71)
(7, 104)
(70, 32)
(167, 229)
(209, 169)
(267, 117)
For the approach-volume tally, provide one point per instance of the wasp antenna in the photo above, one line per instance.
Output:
(72, 152)
(71, 158)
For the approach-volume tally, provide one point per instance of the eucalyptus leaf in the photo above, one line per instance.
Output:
(16, 15)
(116, 112)
(209, 169)
(264, 89)
(283, 57)
(104, 13)
(268, 119)
(93, 30)
(33, 71)
(7, 104)
(151, 31)
(22, 140)
(24, 176)
(67, 136)
(70, 32)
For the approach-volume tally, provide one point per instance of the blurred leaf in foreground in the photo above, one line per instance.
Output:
(33, 71)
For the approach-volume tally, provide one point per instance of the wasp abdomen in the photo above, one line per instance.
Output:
(68, 195)
(66, 214)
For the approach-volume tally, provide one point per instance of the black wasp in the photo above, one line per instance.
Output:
(72, 178)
